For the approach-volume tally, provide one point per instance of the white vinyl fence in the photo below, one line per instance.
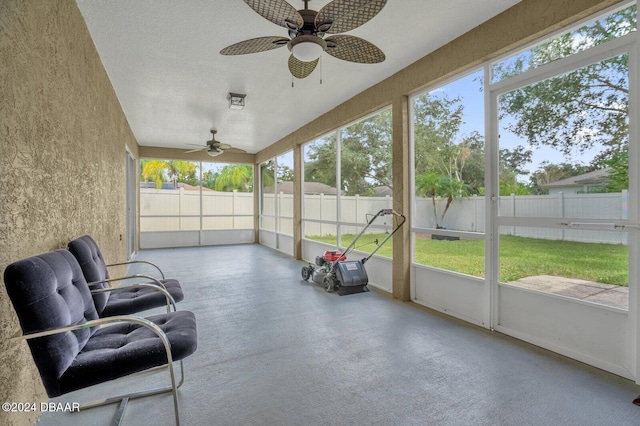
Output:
(181, 210)
(468, 214)
(172, 210)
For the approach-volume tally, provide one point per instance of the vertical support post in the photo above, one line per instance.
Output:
(201, 199)
(321, 209)
(401, 271)
(491, 204)
(633, 213)
(561, 212)
(181, 200)
(298, 196)
(474, 228)
(357, 215)
(257, 193)
(234, 207)
(513, 210)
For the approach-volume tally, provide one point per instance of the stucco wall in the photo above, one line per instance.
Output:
(62, 155)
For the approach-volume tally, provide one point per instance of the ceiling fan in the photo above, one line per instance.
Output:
(214, 147)
(307, 29)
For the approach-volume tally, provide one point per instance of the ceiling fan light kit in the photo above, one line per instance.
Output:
(307, 48)
(307, 28)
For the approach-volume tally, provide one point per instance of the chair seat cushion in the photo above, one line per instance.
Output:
(121, 349)
(139, 299)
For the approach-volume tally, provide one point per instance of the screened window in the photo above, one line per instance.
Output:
(192, 196)
(348, 178)
(449, 163)
(615, 25)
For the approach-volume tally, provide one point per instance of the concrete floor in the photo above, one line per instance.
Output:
(275, 350)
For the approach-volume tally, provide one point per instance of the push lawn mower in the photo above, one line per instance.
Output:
(336, 273)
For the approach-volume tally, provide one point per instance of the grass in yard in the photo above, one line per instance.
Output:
(519, 257)
(599, 262)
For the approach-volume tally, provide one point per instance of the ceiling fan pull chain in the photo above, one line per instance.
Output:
(320, 69)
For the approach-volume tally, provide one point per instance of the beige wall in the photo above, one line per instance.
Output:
(62, 154)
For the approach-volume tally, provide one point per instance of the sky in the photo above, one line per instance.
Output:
(468, 88)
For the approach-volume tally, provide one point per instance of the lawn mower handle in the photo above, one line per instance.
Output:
(380, 213)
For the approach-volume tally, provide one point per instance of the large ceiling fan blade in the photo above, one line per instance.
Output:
(277, 11)
(345, 15)
(255, 45)
(223, 146)
(194, 150)
(353, 49)
(301, 69)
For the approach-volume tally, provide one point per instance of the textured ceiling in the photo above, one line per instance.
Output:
(162, 57)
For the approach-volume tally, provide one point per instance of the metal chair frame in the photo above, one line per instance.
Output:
(138, 261)
(156, 285)
(124, 399)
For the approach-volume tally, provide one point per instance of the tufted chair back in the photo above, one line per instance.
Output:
(93, 266)
(49, 291)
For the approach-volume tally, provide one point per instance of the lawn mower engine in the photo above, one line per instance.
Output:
(335, 273)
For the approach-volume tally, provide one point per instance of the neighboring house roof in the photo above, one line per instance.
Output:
(188, 187)
(383, 191)
(594, 177)
(309, 188)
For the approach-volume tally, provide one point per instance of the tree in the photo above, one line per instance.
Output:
(581, 109)
(209, 179)
(177, 171)
(548, 172)
(473, 172)
(181, 171)
(153, 171)
(442, 154)
(619, 174)
(232, 177)
(437, 186)
(285, 174)
(320, 164)
(365, 156)
(436, 125)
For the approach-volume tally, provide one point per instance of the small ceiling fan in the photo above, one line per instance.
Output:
(307, 29)
(214, 147)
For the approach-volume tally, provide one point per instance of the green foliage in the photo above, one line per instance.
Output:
(209, 179)
(514, 187)
(619, 174)
(548, 172)
(437, 186)
(153, 171)
(267, 172)
(581, 109)
(519, 257)
(473, 172)
(437, 120)
(181, 171)
(160, 171)
(285, 174)
(238, 177)
(365, 156)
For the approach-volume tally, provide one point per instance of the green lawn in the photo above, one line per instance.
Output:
(519, 257)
